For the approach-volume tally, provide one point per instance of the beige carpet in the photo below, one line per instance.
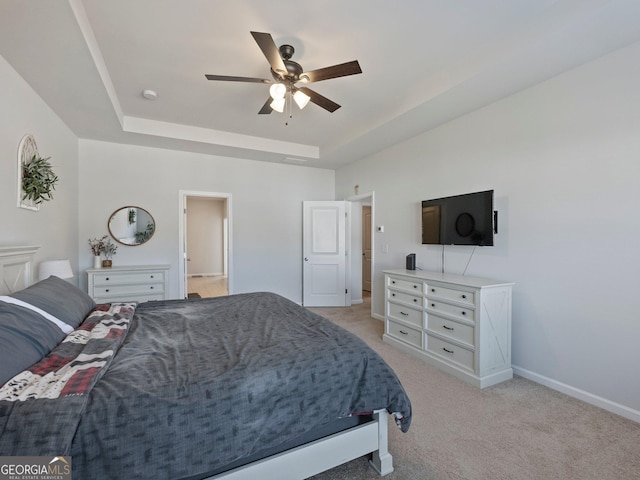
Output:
(515, 430)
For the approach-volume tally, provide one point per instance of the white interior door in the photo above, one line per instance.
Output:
(324, 254)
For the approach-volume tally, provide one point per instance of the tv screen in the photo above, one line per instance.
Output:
(459, 220)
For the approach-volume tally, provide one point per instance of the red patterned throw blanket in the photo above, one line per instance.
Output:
(59, 383)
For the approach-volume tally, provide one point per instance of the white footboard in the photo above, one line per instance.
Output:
(323, 454)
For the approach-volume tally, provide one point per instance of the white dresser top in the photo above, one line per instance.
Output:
(476, 282)
(128, 268)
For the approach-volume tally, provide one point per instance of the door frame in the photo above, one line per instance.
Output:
(359, 198)
(182, 236)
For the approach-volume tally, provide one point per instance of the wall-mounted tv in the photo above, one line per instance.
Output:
(459, 220)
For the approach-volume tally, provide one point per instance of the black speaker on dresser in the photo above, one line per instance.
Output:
(411, 261)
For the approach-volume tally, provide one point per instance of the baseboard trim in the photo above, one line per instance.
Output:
(587, 397)
(377, 316)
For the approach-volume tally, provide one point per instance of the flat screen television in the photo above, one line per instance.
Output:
(459, 220)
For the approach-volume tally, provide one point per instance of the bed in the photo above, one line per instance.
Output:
(240, 387)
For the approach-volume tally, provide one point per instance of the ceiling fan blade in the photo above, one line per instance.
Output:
(268, 47)
(319, 100)
(237, 79)
(342, 70)
(266, 108)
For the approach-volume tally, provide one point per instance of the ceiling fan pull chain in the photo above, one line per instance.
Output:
(290, 111)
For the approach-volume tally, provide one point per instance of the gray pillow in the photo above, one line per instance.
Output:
(59, 298)
(25, 338)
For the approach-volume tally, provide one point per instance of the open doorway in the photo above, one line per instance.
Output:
(362, 249)
(205, 244)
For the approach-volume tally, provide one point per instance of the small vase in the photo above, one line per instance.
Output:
(96, 261)
(106, 263)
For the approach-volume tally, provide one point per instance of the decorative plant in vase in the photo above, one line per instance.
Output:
(109, 250)
(97, 247)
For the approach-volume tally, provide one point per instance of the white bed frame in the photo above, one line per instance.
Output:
(316, 457)
(16, 273)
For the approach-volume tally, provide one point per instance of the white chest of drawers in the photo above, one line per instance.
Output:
(128, 283)
(458, 323)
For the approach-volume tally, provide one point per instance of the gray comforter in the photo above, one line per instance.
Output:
(198, 384)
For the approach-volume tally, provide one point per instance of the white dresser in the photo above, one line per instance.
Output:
(128, 283)
(458, 323)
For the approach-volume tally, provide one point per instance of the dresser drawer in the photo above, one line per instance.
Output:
(406, 334)
(454, 330)
(450, 294)
(135, 297)
(448, 309)
(450, 352)
(130, 290)
(405, 298)
(406, 314)
(405, 284)
(108, 278)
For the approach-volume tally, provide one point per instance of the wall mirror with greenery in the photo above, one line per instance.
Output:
(36, 178)
(131, 225)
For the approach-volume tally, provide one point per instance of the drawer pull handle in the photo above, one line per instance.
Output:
(433, 289)
(107, 279)
(415, 286)
(393, 294)
(152, 277)
(151, 288)
(464, 313)
(393, 281)
(106, 289)
(450, 352)
(404, 313)
(464, 296)
(415, 299)
(448, 328)
(433, 305)
(403, 332)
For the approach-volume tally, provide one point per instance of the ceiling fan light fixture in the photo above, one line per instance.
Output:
(278, 104)
(277, 91)
(302, 99)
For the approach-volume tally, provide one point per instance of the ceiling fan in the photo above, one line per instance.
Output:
(286, 73)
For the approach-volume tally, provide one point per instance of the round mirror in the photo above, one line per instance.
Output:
(131, 225)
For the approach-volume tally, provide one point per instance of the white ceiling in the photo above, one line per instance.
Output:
(424, 62)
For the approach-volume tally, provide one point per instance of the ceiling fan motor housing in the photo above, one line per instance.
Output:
(294, 69)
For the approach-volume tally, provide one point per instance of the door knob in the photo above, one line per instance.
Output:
(306, 259)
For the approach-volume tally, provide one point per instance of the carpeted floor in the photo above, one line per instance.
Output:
(515, 430)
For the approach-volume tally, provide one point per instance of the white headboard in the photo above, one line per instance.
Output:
(16, 268)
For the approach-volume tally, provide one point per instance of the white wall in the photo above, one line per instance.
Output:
(564, 160)
(266, 204)
(55, 226)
